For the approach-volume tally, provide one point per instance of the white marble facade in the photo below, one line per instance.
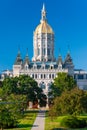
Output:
(43, 67)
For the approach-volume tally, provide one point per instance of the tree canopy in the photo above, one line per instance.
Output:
(11, 109)
(67, 97)
(22, 85)
(71, 102)
(15, 93)
(61, 83)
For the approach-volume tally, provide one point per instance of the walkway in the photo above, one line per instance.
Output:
(40, 121)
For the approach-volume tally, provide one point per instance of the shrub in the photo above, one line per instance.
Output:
(73, 122)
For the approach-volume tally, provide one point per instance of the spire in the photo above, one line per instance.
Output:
(68, 59)
(59, 52)
(43, 6)
(27, 52)
(68, 49)
(18, 58)
(19, 54)
(68, 63)
(43, 13)
(26, 60)
(59, 58)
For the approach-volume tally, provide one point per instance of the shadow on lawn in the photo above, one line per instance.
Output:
(24, 126)
(31, 111)
(59, 129)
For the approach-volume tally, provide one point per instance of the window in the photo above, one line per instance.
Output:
(43, 65)
(38, 51)
(85, 87)
(41, 76)
(35, 66)
(44, 76)
(43, 86)
(49, 76)
(32, 75)
(49, 85)
(52, 76)
(43, 41)
(86, 76)
(36, 76)
(48, 51)
(44, 51)
(26, 67)
(51, 67)
(74, 76)
(80, 76)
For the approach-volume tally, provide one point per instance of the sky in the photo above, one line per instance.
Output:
(19, 18)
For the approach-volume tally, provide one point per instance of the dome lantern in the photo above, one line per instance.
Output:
(43, 27)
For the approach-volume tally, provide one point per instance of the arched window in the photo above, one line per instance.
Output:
(35, 76)
(44, 76)
(51, 66)
(41, 76)
(42, 85)
(43, 66)
(52, 76)
(35, 66)
(32, 75)
(49, 76)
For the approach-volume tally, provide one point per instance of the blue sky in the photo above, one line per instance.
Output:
(19, 18)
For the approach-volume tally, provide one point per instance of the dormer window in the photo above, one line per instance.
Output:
(43, 66)
(26, 67)
(60, 66)
(51, 66)
(34, 66)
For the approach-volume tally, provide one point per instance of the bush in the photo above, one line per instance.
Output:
(52, 114)
(73, 122)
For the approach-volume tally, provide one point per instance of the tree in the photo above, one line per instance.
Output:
(15, 93)
(11, 109)
(73, 102)
(61, 83)
(23, 84)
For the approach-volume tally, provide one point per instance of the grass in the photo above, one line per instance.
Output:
(27, 122)
(54, 124)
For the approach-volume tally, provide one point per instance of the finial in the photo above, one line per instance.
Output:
(18, 49)
(43, 13)
(68, 49)
(27, 52)
(43, 7)
(59, 52)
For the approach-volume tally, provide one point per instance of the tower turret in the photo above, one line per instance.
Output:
(43, 40)
(59, 58)
(26, 61)
(68, 63)
(17, 65)
(18, 60)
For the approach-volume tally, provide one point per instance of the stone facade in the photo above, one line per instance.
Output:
(44, 67)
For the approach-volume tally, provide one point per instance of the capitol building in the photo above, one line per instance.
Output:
(44, 67)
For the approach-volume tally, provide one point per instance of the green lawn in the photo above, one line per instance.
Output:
(27, 122)
(54, 124)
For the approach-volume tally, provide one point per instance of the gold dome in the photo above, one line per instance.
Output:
(43, 27)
